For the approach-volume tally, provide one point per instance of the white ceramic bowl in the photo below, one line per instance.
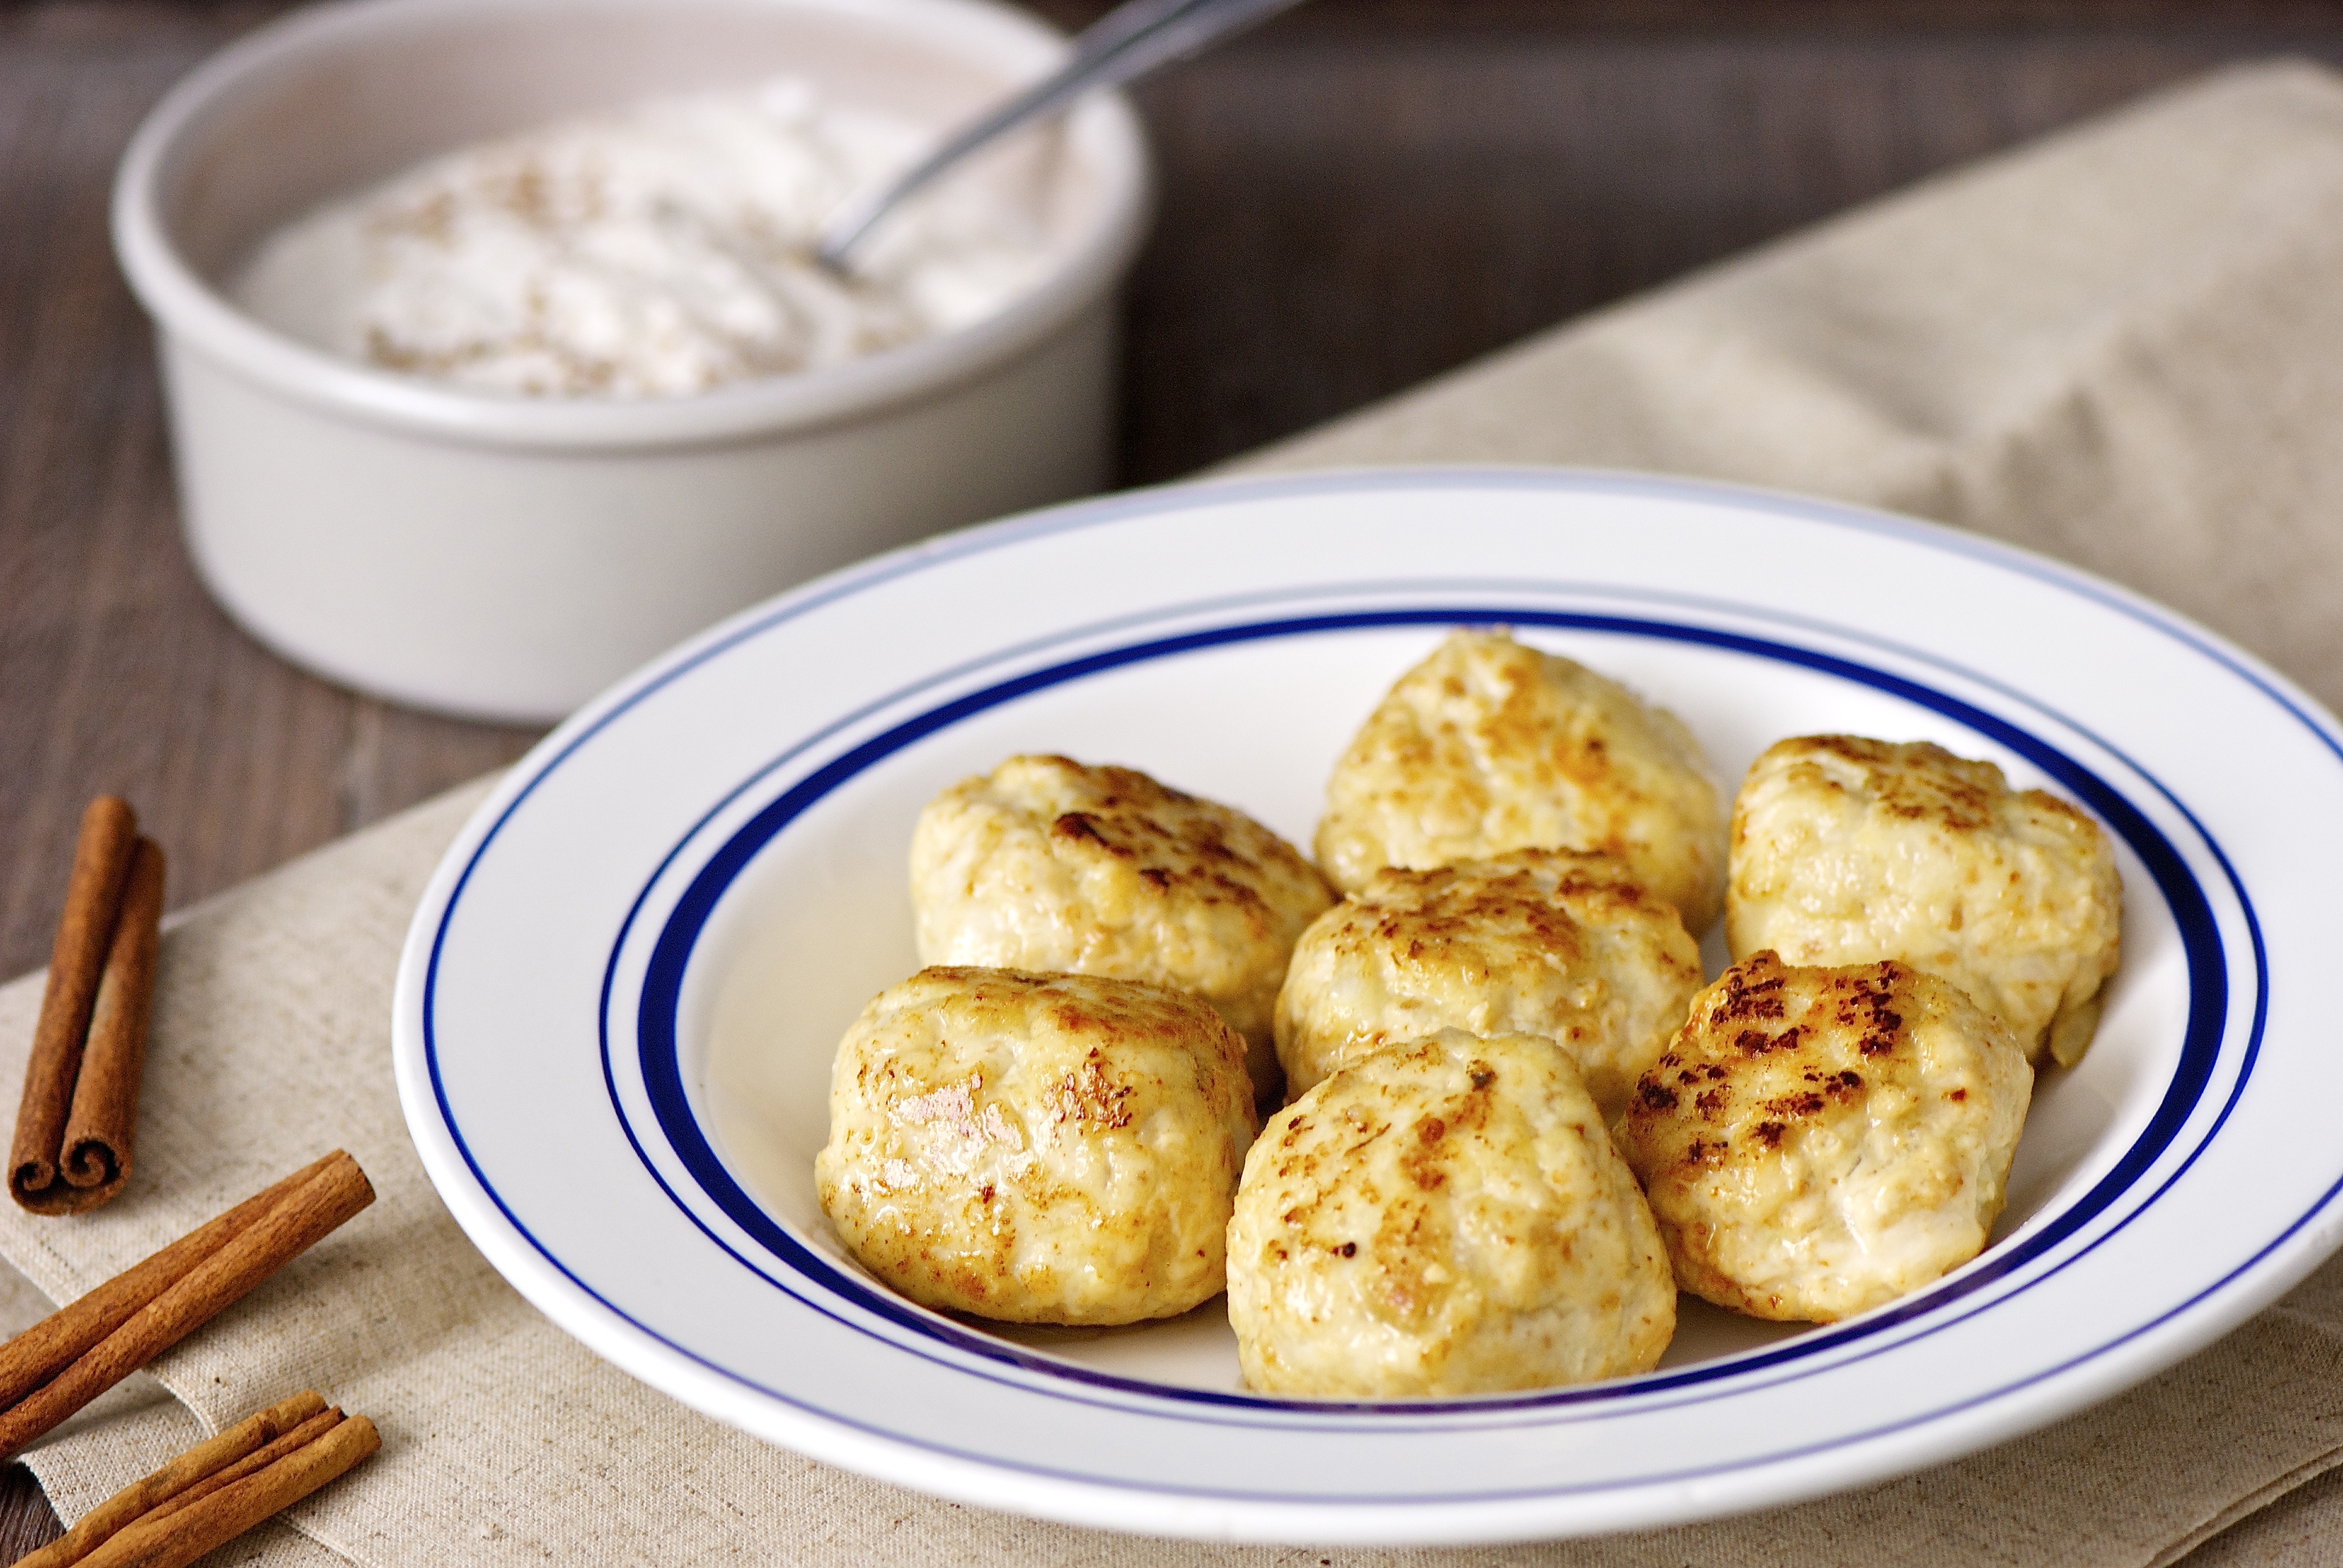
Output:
(508, 557)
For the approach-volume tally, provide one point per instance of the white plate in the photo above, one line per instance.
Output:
(619, 1001)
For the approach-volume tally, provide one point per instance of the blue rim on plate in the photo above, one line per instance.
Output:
(662, 1065)
(803, 769)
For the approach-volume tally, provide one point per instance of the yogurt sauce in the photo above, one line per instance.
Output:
(654, 251)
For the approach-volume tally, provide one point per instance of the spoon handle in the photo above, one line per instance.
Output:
(1130, 41)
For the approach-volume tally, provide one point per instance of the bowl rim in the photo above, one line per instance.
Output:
(192, 314)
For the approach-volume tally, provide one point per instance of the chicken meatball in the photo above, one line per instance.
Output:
(1444, 1217)
(1488, 746)
(1042, 1149)
(1845, 850)
(1551, 943)
(1047, 864)
(1818, 1141)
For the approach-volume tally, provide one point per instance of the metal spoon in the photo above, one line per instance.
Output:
(1127, 43)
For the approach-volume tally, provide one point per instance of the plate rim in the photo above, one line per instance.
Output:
(658, 994)
(2117, 1371)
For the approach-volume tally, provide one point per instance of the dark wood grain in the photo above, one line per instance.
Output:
(1349, 212)
(1357, 195)
(115, 672)
(27, 1522)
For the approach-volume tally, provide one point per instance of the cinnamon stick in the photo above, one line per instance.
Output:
(101, 866)
(256, 1435)
(301, 1437)
(178, 1539)
(49, 1346)
(218, 1490)
(96, 1151)
(297, 1213)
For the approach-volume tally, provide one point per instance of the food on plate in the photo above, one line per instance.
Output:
(1816, 1141)
(1047, 864)
(1553, 942)
(1489, 746)
(1444, 1217)
(1509, 984)
(1846, 849)
(655, 251)
(1040, 1148)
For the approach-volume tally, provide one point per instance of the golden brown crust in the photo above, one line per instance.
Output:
(1489, 746)
(1048, 864)
(1846, 849)
(1444, 1217)
(1552, 942)
(1060, 1149)
(1817, 1141)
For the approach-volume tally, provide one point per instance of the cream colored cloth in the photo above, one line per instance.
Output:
(2125, 346)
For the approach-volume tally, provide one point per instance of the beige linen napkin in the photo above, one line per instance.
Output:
(2125, 346)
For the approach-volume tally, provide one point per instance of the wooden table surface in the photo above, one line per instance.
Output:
(1356, 197)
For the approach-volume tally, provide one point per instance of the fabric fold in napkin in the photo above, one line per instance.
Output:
(2122, 346)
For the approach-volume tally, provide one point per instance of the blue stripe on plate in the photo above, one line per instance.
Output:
(1094, 514)
(670, 956)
